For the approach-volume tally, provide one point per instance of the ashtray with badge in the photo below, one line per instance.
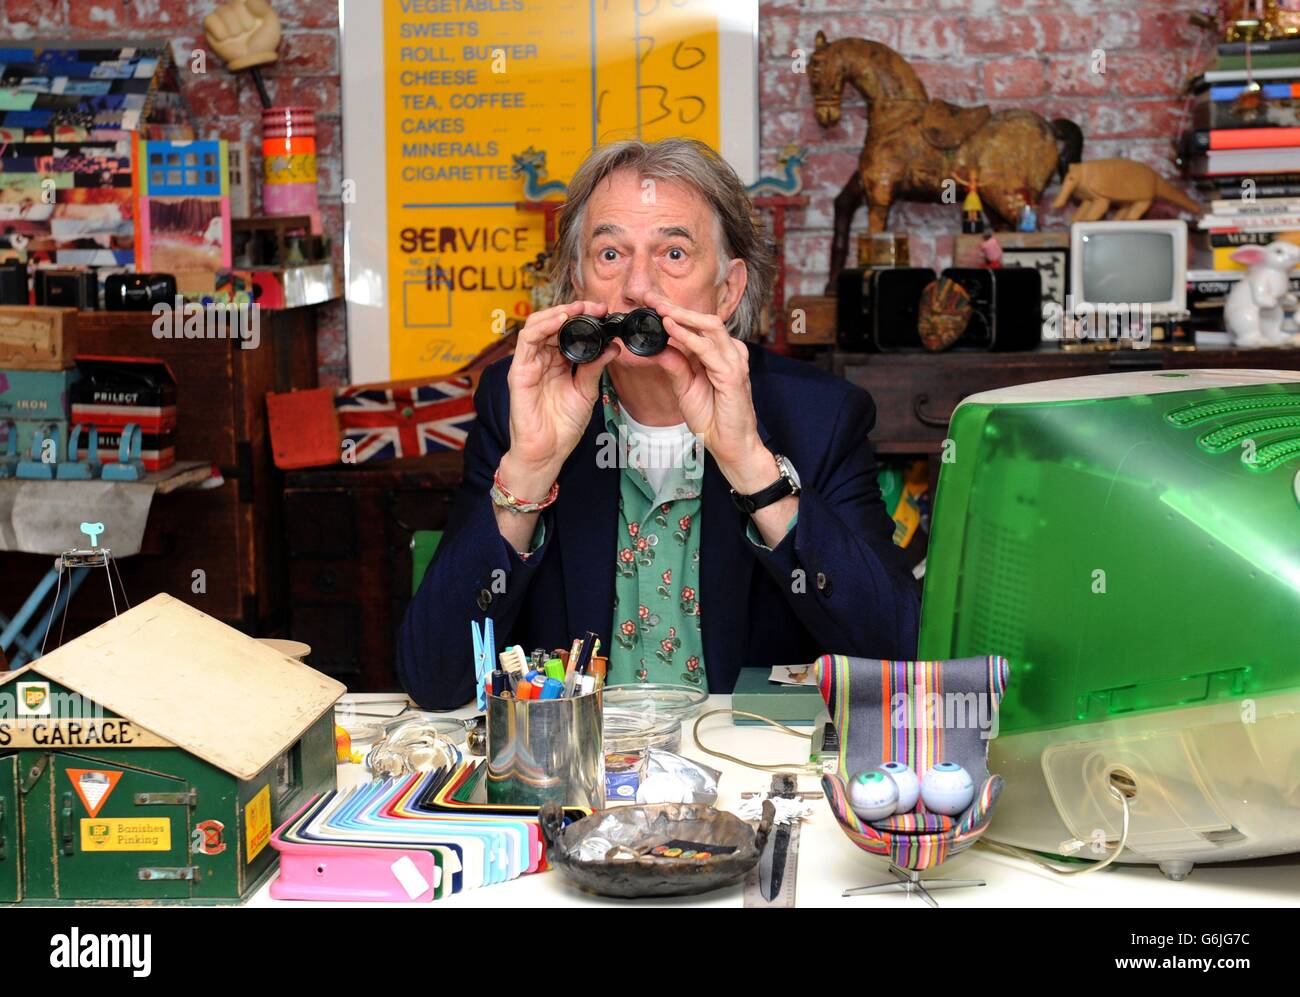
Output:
(661, 849)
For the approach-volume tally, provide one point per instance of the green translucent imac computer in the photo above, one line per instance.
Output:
(1131, 544)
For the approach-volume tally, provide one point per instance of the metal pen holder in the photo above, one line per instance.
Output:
(542, 750)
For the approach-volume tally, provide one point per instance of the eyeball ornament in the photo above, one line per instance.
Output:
(873, 794)
(947, 789)
(909, 786)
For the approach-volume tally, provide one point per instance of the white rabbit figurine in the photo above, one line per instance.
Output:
(1255, 312)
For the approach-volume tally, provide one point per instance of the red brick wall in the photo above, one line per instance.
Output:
(225, 105)
(1007, 53)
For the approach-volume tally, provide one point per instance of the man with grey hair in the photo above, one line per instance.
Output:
(705, 509)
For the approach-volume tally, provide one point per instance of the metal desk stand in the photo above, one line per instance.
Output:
(910, 882)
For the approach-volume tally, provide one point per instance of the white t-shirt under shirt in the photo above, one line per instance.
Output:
(661, 448)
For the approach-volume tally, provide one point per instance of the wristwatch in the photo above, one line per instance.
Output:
(787, 484)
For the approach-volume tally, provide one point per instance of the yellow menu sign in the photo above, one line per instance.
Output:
(488, 103)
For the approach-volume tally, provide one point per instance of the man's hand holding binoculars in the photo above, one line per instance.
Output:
(710, 377)
(550, 407)
(552, 394)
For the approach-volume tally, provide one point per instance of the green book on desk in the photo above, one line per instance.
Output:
(791, 704)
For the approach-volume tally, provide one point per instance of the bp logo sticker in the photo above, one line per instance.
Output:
(98, 833)
(34, 699)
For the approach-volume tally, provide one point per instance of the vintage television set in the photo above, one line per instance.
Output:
(1131, 543)
(1126, 271)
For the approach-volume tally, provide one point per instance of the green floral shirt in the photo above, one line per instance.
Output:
(656, 627)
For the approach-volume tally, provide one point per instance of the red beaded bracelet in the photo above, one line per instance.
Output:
(502, 497)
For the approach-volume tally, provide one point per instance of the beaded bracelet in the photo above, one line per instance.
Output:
(501, 497)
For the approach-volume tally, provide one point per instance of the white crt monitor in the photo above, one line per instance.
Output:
(1136, 263)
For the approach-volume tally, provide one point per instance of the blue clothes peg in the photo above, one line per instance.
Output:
(80, 470)
(485, 656)
(129, 466)
(45, 444)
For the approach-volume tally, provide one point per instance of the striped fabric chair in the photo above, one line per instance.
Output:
(921, 713)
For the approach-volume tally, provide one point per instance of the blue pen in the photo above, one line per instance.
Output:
(552, 689)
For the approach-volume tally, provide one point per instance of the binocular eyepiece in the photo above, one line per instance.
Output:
(583, 338)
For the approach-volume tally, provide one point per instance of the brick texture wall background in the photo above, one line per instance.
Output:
(1034, 54)
(225, 105)
(1006, 53)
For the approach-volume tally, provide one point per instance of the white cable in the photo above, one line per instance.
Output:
(1081, 870)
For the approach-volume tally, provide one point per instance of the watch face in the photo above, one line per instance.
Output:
(788, 472)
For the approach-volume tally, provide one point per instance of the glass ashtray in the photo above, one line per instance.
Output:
(453, 729)
(360, 731)
(681, 702)
(626, 732)
(410, 748)
(367, 727)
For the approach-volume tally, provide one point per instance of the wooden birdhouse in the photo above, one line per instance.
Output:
(152, 757)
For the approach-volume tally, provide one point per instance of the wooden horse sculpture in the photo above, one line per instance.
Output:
(917, 148)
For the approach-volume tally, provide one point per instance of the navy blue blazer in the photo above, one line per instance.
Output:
(836, 582)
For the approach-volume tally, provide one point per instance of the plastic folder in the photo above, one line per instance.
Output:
(411, 839)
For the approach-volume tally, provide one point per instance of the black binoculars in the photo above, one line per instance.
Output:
(583, 338)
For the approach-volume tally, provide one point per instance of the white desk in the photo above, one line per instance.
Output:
(829, 862)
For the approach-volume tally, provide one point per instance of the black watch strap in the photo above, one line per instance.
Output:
(777, 490)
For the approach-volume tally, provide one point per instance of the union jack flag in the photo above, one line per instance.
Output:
(384, 423)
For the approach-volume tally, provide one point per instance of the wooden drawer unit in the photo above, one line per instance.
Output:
(349, 544)
(916, 393)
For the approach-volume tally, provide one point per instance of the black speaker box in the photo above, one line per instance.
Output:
(13, 283)
(1007, 307)
(877, 309)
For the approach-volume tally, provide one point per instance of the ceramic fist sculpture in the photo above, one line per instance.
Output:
(245, 33)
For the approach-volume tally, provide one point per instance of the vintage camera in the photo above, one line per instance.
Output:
(138, 292)
(67, 289)
(584, 337)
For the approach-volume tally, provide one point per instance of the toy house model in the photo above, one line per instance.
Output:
(152, 757)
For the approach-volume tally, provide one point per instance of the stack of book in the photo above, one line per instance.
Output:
(1235, 222)
(1207, 292)
(1243, 151)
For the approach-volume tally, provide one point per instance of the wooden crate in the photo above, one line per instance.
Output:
(819, 316)
(37, 337)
